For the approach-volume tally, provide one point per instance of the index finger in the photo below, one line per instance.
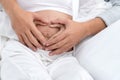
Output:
(38, 35)
(56, 38)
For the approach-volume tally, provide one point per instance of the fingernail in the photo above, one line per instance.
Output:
(40, 47)
(50, 54)
(47, 44)
(46, 49)
(34, 49)
(44, 44)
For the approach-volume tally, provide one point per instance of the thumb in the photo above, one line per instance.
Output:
(60, 21)
(37, 17)
(56, 25)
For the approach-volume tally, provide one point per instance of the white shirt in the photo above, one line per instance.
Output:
(64, 6)
(81, 10)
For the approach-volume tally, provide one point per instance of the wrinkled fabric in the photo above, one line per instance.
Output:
(100, 54)
(21, 63)
(88, 14)
(111, 15)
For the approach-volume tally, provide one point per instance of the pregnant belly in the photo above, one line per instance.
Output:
(49, 16)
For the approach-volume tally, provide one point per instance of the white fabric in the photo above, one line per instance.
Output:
(44, 55)
(21, 63)
(100, 54)
(82, 10)
(38, 5)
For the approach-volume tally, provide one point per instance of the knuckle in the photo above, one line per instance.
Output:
(58, 52)
(52, 42)
(56, 40)
(57, 45)
(28, 43)
(66, 34)
(30, 46)
(37, 44)
(26, 30)
(34, 42)
(50, 48)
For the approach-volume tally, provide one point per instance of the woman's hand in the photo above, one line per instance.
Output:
(71, 36)
(24, 26)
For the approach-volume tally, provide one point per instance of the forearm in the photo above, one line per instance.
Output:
(94, 26)
(10, 6)
(104, 19)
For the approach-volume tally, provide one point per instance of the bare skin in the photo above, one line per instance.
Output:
(74, 31)
(51, 29)
(61, 42)
(73, 34)
(23, 24)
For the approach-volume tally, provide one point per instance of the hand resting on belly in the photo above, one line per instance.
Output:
(50, 29)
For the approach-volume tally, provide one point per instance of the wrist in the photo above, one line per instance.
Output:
(81, 30)
(85, 29)
(94, 26)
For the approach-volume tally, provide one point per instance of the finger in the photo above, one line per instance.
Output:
(40, 18)
(21, 40)
(58, 33)
(38, 35)
(56, 38)
(61, 50)
(57, 45)
(27, 42)
(33, 40)
(37, 22)
(59, 21)
(56, 25)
